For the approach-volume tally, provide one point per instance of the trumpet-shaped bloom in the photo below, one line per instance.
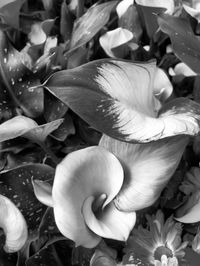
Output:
(168, 5)
(121, 99)
(148, 168)
(113, 41)
(85, 184)
(13, 224)
(118, 98)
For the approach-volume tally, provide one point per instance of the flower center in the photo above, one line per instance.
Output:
(162, 250)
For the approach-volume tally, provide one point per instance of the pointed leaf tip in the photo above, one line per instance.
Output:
(43, 192)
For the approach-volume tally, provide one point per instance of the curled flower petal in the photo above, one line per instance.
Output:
(88, 172)
(162, 86)
(123, 6)
(183, 69)
(147, 169)
(13, 224)
(113, 39)
(109, 222)
(169, 5)
(115, 101)
(43, 192)
(192, 12)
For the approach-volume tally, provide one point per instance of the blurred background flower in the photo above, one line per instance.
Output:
(158, 244)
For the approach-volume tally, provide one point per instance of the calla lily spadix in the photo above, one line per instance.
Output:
(85, 184)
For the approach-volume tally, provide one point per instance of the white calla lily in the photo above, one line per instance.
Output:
(148, 168)
(168, 5)
(85, 184)
(114, 39)
(13, 224)
(123, 6)
(183, 69)
(121, 99)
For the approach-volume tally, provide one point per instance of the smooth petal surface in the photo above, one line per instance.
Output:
(123, 6)
(88, 172)
(162, 86)
(43, 192)
(113, 39)
(109, 222)
(147, 169)
(183, 69)
(13, 224)
(109, 95)
(169, 5)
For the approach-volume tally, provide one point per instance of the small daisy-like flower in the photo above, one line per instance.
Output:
(158, 245)
(191, 183)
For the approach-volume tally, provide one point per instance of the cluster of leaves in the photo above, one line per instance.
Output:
(37, 129)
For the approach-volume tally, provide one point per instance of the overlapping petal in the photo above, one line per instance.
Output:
(116, 97)
(168, 5)
(113, 41)
(85, 183)
(147, 167)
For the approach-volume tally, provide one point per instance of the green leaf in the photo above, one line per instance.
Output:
(16, 185)
(28, 128)
(185, 43)
(87, 26)
(40, 133)
(149, 19)
(19, 81)
(10, 12)
(102, 259)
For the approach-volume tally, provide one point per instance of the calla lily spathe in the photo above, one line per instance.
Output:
(148, 168)
(125, 101)
(85, 184)
(13, 224)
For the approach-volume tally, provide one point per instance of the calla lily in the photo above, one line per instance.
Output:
(182, 69)
(85, 184)
(168, 5)
(115, 101)
(148, 168)
(118, 98)
(13, 224)
(123, 6)
(113, 41)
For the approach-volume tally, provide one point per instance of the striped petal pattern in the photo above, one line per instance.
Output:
(117, 98)
(148, 168)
